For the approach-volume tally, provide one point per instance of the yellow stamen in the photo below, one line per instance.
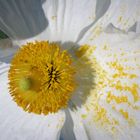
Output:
(42, 77)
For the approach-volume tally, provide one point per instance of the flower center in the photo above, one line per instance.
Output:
(42, 77)
(25, 84)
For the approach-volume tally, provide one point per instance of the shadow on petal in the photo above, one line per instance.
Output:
(85, 75)
(67, 130)
(101, 8)
(7, 50)
(22, 19)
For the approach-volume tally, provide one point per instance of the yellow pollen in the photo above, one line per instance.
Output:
(42, 77)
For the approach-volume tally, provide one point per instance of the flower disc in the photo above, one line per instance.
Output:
(41, 77)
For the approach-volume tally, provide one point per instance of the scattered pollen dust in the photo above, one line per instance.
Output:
(53, 17)
(115, 97)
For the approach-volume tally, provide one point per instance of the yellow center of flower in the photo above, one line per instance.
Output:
(25, 84)
(42, 77)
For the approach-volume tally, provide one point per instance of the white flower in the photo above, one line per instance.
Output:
(110, 29)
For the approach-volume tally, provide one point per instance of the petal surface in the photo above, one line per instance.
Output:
(17, 124)
(124, 14)
(73, 128)
(53, 20)
(117, 56)
(22, 19)
(64, 21)
(7, 50)
(113, 106)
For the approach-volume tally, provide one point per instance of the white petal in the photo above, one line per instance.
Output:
(22, 19)
(17, 124)
(114, 104)
(73, 128)
(63, 20)
(138, 27)
(124, 14)
(67, 132)
(7, 50)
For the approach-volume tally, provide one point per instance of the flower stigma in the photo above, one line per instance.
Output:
(25, 84)
(42, 77)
